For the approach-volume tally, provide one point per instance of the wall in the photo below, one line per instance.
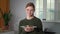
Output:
(58, 9)
(17, 9)
(52, 26)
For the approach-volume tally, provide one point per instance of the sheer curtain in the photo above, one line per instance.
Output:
(45, 9)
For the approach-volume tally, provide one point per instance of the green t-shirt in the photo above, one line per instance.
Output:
(34, 22)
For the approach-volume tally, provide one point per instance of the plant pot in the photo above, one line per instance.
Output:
(7, 27)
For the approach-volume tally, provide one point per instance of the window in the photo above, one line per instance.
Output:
(39, 9)
(49, 13)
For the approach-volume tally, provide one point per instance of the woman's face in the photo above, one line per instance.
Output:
(29, 11)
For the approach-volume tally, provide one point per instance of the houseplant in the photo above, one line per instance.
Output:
(7, 17)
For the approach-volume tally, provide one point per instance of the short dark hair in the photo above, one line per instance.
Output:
(30, 4)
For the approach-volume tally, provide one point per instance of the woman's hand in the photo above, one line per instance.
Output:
(28, 29)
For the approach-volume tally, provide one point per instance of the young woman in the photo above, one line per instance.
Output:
(31, 24)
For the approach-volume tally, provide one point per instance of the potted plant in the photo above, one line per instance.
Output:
(7, 17)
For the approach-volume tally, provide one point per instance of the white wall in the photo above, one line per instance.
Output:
(57, 10)
(52, 26)
(17, 9)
